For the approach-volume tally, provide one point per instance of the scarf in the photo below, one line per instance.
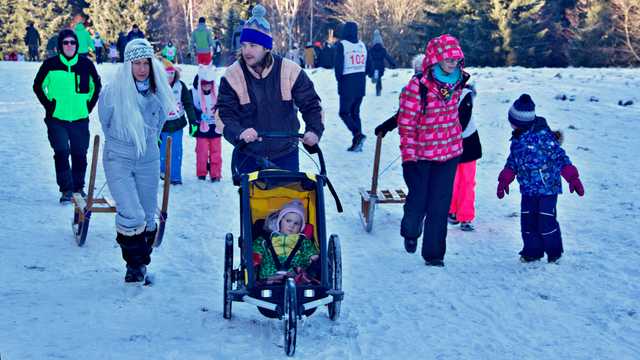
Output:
(143, 86)
(446, 83)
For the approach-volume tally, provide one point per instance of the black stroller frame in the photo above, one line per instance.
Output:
(290, 301)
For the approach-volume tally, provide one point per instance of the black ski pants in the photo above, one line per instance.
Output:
(430, 185)
(539, 226)
(69, 138)
(350, 113)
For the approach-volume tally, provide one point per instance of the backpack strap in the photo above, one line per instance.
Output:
(424, 91)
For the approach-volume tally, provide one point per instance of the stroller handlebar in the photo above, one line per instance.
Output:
(240, 146)
(266, 163)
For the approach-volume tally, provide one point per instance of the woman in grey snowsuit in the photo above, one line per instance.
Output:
(132, 112)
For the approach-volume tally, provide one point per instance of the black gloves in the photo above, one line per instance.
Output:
(387, 126)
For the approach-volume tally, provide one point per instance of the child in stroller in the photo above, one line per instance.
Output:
(285, 248)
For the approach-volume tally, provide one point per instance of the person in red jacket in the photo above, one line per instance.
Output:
(431, 144)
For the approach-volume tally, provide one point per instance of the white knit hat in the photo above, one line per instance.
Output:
(206, 72)
(138, 49)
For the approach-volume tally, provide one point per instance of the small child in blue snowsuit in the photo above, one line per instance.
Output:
(538, 161)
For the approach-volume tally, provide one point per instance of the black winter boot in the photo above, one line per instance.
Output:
(135, 252)
(135, 274)
(150, 237)
(410, 244)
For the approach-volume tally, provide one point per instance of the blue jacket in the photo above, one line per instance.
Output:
(537, 159)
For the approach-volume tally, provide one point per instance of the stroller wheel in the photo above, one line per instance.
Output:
(228, 272)
(290, 317)
(335, 274)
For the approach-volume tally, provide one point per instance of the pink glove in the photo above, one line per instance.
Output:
(504, 179)
(570, 173)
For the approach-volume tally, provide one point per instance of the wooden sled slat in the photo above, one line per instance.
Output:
(369, 198)
(110, 201)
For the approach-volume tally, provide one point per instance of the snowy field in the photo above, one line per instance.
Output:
(59, 301)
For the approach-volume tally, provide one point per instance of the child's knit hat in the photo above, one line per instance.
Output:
(294, 206)
(168, 65)
(206, 73)
(523, 112)
(257, 29)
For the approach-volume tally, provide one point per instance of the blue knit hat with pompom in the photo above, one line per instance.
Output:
(257, 29)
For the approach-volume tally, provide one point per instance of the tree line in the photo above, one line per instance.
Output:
(532, 33)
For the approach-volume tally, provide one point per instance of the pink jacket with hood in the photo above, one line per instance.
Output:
(433, 133)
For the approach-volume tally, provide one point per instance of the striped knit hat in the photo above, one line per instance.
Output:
(138, 49)
(523, 112)
(257, 29)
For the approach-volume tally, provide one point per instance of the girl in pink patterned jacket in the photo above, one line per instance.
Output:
(430, 144)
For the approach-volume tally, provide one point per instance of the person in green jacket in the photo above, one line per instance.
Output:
(202, 43)
(67, 85)
(85, 41)
(169, 52)
(286, 248)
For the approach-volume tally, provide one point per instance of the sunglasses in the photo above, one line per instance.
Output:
(69, 42)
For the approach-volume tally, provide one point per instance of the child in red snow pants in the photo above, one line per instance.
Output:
(464, 194)
(209, 150)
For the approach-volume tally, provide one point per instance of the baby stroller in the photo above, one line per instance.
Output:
(262, 192)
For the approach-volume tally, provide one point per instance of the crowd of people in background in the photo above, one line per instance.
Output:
(205, 47)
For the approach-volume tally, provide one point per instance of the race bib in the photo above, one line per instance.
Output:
(355, 57)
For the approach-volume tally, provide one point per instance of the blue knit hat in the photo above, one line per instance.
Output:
(257, 29)
(523, 112)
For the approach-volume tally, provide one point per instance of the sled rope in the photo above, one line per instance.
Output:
(388, 166)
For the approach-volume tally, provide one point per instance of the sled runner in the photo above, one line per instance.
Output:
(290, 297)
(369, 198)
(83, 208)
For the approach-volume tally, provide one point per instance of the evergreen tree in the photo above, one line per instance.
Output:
(48, 16)
(109, 17)
(230, 24)
(593, 42)
(13, 24)
(556, 18)
(52, 16)
(468, 20)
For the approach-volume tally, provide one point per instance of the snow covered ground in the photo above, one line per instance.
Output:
(59, 301)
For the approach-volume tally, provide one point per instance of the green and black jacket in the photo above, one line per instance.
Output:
(67, 88)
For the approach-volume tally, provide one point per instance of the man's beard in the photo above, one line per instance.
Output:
(260, 65)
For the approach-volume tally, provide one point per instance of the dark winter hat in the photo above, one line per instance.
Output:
(523, 111)
(202, 20)
(257, 29)
(350, 32)
(65, 33)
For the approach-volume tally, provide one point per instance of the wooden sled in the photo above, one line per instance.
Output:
(83, 208)
(369, 198)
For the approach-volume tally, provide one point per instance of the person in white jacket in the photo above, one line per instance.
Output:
(132, 112)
